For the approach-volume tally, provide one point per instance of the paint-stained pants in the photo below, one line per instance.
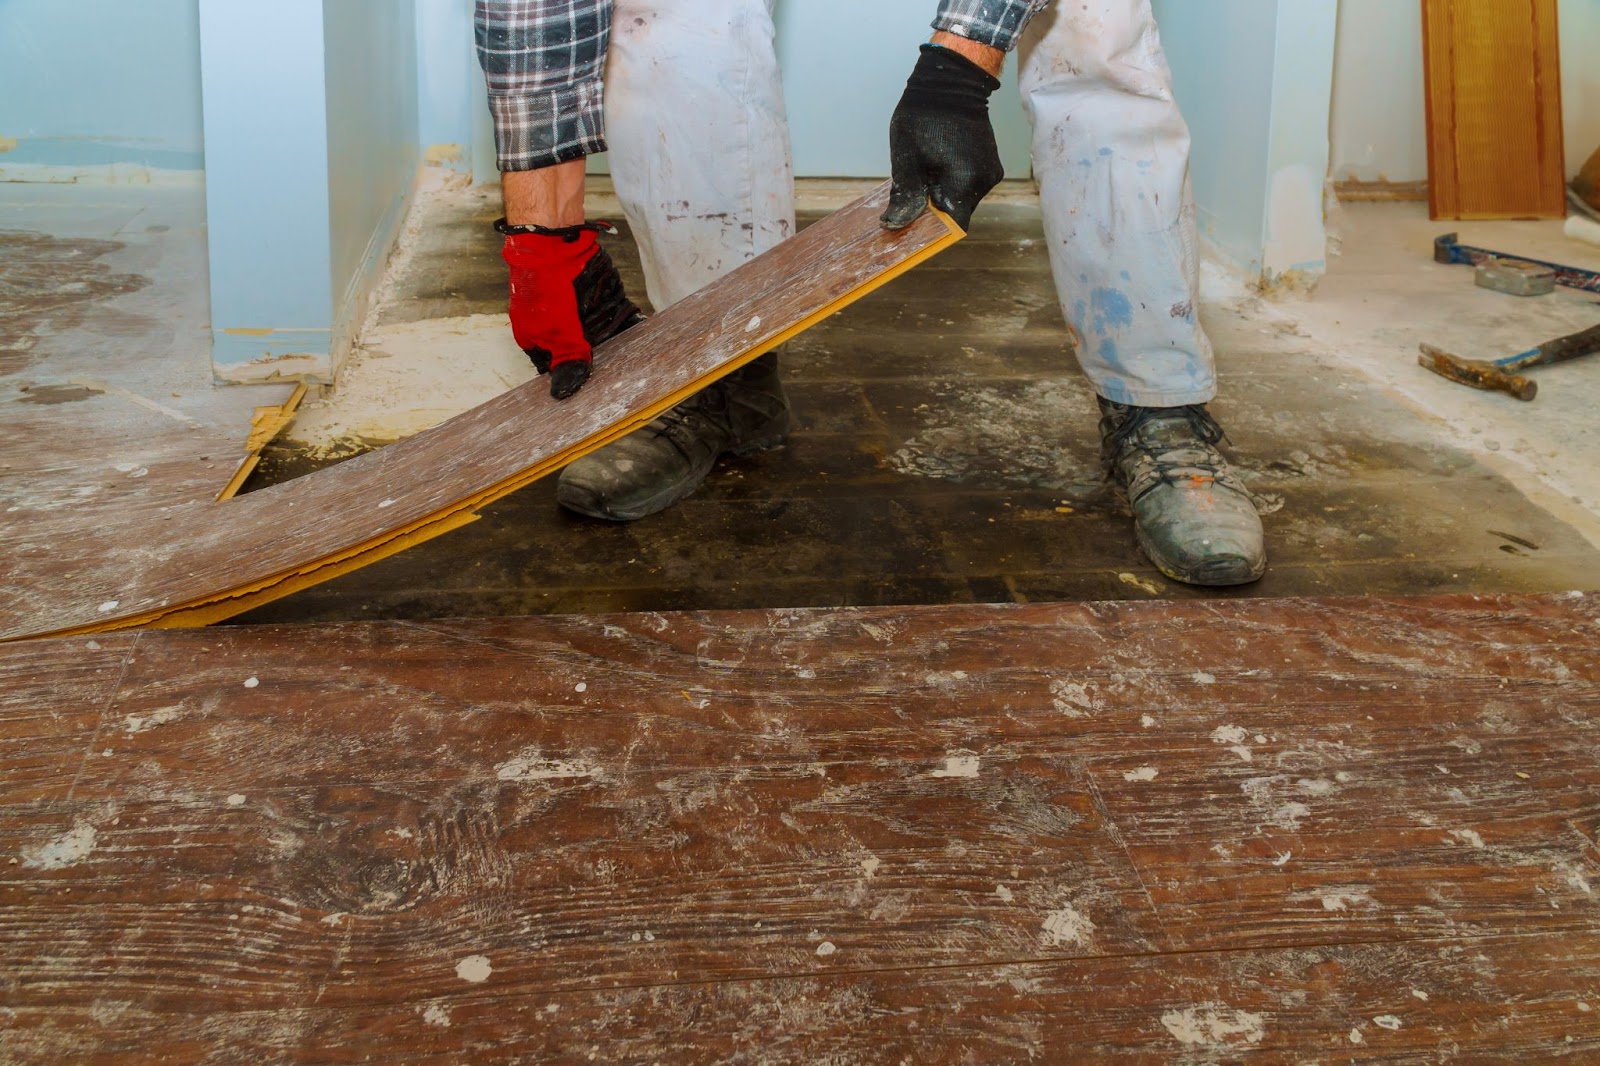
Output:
(700, 158)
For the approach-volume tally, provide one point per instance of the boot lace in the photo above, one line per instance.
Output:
(1144, 461)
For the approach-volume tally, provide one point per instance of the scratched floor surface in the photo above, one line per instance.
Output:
(1324, 830)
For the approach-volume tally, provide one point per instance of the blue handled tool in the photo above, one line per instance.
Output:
(1501, 374)
(1447, 250)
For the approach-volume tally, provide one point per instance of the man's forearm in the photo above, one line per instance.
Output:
(550, 196)
(990, 59)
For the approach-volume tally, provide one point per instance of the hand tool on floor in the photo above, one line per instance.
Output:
(1447, 249)
(1501, 375)
(1516, 277)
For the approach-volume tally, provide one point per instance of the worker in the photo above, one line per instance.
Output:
(689, 100)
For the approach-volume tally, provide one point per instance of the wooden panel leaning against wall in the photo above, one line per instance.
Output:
(1493, 79)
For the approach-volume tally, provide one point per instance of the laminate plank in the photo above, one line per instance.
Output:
(52, 696)
(1481, 999)
(798, 688)
(771, 836)
(202, 562)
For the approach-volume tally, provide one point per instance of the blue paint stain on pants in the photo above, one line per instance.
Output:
(1112, 310)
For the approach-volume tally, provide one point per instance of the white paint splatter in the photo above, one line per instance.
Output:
(1071, 698)
(1468, 836)
(1215, 1026)
(1289, 815)
(1147, 721)
(870, 865)
(236, 800)
(958, 766)
(1229, 734)
(1067, 926)
(134, 723)
(529, 765)
(581, 686)
(109, 605)
(1344, 899)
(1244, 753)
(825, 949)
(251, 682)
(1355, 1036)
(386, 504)
(1283, 860)
(753, 325)
(474, 968)
(68, 849)
(436, 1016)
(1143, 773)
(1387, 1021)
(1203, 678)
(1004, 893)
(1420, 994)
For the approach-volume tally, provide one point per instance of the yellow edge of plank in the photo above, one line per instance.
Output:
(265, 425)
(231, 602)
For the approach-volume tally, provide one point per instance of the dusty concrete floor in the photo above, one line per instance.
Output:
(946, 447)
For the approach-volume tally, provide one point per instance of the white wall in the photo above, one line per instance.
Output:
(1379, 125)
(1580, 79)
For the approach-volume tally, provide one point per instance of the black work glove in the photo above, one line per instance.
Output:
(941, 143)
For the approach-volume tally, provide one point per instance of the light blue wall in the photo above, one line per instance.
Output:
(841, 87)
(311, 156)
(1255, 80)
(266, 177)
(1223, 55)
(93, 82)
(449, 87)
(373, 146)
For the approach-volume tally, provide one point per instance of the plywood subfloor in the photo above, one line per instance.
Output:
(1330, 830)
(193, 563)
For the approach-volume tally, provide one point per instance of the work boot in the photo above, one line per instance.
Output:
(1194, 518)
(653, 468)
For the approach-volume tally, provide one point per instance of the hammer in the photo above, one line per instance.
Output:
(1501, 375)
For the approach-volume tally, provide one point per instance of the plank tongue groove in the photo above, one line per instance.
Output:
(198, 563)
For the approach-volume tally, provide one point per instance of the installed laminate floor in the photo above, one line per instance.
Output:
(1178, 832)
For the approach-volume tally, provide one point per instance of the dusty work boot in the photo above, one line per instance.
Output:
(1194, 518)
(653, 468)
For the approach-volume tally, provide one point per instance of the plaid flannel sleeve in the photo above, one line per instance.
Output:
(997, 23)
(544, 61)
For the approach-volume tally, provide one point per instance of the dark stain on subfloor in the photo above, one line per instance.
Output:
(945, 451)
(47, 286)
(56, 394)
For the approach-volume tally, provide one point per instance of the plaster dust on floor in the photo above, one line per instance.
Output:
(1384, 295)
(409, 377)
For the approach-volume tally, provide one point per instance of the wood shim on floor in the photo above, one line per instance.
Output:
(1167, 832)
(199, 563)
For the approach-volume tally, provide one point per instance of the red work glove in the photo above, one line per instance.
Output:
(566, 298)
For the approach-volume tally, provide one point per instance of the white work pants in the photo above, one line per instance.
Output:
(700, 158)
